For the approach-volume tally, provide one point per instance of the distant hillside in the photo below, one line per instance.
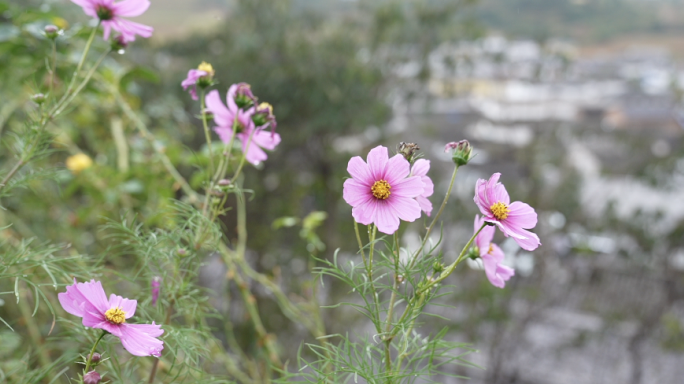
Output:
(582, 20)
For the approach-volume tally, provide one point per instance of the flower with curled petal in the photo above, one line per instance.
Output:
(89, 301)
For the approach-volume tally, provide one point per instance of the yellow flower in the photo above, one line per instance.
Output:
(78, 163)
(60, 23)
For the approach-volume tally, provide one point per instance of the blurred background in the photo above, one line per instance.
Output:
(578, 103)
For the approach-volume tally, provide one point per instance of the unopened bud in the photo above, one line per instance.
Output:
(182, 252)
(207, 79)
(95, 358)
(264, 115)
(224, 182)
(156, 287)
(438, 267)
(462, 152)
(92, 377)
(119, 44)
(38, 98)
(52, 31)
(244, 98)
(400, 279)
(408, 150)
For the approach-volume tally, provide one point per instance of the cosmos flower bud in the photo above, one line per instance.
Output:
(408, 150)
(92, 377)
(462, 152)
(52, 31)
(156, 287)
(78, 163)
(224, 182)
(244, 98)
(437, 267)
(119, 44)
(264, 115)
(205, 80)
(182, 252)
(38, 98)
(95, 358)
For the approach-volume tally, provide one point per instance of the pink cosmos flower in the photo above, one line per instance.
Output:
(191, 81)
(491, 255)
(512, 218)
(232, 117)
(89, 301)
(110, 13)
(421, 168)
(382, 190)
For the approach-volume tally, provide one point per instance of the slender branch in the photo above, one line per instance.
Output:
(92, 351)
(369, 270)
(448, 270)
(128, 111)
(206, 131)
(414, 258)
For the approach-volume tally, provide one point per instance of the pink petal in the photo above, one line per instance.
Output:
(266, 140)
(424, 204)
(138, 339)
(131, 28)
(230, 97)
(224, 133)
(126, 305)
(364, 213)
(222, 116)
(485, 238)
(102, 323)
(408, 187)
(420, 167)
(481, 197)
(404, 208)
(358, 169)
(130, 8)
(107, 28)
(521, 215)
(397, 169)
(193, 76)
(428, 186)
(355, 193)
(377, 162)
(386, 219)
(527, 240)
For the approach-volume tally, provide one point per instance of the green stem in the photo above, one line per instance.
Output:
(358, 238)
(53, 67)
(372, 231)
(244, 156)
(414, 258)
(453, 265)
(206, 131)
(83, 83)
(76, 72)
(92, 351)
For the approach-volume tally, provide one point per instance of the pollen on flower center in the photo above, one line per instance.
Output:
(115, 315)
(381, 189)
(500, 210)
(491, 249)
(104, 13)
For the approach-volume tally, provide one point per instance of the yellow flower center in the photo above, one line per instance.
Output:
(206, 67)
(381, 189)
(500, 210)
(491, 249)
(115, 315)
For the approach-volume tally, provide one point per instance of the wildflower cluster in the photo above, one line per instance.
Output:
(174, 321)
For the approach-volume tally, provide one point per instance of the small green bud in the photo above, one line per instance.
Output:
(182, 252)
(462, 152)
(224, 182)
(38, 98)
(438, 267)
(52, 31)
